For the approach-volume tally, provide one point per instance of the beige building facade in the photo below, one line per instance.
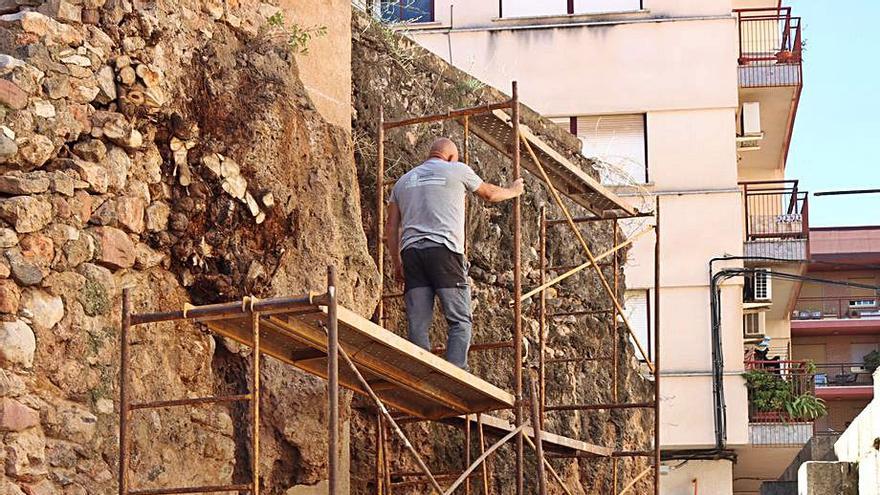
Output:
(656, 90)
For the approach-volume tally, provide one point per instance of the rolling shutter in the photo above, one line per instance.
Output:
(528, 8)
(597, 6)
(619, 141)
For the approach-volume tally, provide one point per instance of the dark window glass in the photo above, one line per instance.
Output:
(407, 10)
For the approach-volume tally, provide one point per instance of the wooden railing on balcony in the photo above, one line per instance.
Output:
(770, 47)
(775, 210)
(844, 307)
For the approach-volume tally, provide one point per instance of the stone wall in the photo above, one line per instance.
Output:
(170, 147)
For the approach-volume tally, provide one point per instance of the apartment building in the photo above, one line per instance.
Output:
(837, 327)
(692, 101)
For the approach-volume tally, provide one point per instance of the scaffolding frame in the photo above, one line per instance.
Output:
(386, 423)
(616, 312)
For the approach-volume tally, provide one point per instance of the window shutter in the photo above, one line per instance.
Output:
(526, 8)
(597, 6)
(635, 305)
(618, 140)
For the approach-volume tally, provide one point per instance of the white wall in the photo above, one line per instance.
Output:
(712, 478)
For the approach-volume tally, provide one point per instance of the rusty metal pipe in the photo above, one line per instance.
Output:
(255, 405)
(452, 114)
(123, 392)
(225, 310)
(600, 407)
(188, 402)
(517, 292)
(193, 489)
(333, 384)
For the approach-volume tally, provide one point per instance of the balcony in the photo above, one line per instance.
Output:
(770, 48)
(782, 402)
(837, 308)
(776, 220)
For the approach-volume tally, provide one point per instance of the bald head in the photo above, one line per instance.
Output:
(444, 149)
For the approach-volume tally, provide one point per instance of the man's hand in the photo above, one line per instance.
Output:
(397, 271)
(495, 194)
(518, 187)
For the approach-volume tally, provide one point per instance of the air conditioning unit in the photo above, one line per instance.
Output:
(750, 135)
(751, 119)
(761, 286)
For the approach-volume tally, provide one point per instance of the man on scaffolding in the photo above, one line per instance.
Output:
(425, 236)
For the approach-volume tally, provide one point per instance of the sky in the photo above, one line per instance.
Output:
(837, 130)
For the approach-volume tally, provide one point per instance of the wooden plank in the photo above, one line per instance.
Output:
(407, 377)
(553, 442)
(567, 177)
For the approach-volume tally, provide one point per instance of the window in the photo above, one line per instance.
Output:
(637, 306)
(617, 141)
(753, 324)
(407, 10)
(531, 8)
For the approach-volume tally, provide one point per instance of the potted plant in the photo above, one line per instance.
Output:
(871, 361)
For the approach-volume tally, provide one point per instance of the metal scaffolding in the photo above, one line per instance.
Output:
(506, 134)
(313, 332)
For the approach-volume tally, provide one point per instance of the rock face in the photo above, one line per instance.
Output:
(406, 80)
(168, 147)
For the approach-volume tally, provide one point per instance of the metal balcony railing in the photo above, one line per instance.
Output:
(844, 307)
(775, 210)
(793, 377)
(842, 375)
(770, 47)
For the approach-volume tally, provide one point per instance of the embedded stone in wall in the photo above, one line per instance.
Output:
(45, 310)
(17, 343)
(26, 213)
(24, 183)
(15, 416)
(114, 249)
(10, 296)
(157, 216)
(130, 213)
(22, 270)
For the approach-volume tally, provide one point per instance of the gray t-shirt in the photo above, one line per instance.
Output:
(431, 202)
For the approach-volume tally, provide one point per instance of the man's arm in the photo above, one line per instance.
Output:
(392, 239)
(496, 194)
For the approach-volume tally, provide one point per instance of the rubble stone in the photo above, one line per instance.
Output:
(22, 270)
(12, 96)
(78, 251)
(8, 238)
(10, 296)
(94, 174)
(26, 213)
(26, 454)
(157, 216)
(93, 150)
(17, 343)
(114, 249)
(8, 148)
(18, 183)
(34, 151)
(46, 310)
(130, 213)
(62, 10)
(15, 416)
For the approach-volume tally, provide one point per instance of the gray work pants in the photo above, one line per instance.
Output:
(430, 270)
(456, 305)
